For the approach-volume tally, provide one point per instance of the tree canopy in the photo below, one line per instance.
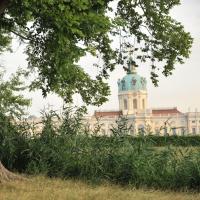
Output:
(58, 33)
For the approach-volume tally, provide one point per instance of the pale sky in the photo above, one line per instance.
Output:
(182, 89)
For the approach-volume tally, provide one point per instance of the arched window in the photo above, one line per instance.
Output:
(174, 131)
(193, 131)
(132, 131)
(143, 104)
(103, 131)
(141, 130)
(183, 131)
(135, 104)
(165, 131)
(157, 131)
(125, 104)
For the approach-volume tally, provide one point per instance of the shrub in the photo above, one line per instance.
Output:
(65, 151)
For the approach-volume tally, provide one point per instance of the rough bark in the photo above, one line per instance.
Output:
(6, 175)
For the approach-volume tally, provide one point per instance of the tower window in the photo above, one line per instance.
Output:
(125, 104)
(143, 104)
(135, 104)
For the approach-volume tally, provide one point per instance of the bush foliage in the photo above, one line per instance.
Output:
(68, 150)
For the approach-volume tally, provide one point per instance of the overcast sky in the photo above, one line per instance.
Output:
(182, 89)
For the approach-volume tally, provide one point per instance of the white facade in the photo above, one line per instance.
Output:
(133, 105)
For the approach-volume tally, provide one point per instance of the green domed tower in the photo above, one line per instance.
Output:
(132, 91)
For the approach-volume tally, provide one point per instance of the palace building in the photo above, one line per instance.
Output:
(133, 105)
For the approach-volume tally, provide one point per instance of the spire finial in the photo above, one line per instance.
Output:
(131, 63)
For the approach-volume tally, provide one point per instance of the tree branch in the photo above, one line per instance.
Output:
(19, 35)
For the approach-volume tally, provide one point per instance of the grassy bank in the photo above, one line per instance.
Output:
(51, 189)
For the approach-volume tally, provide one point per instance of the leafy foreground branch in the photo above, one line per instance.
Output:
(58, 34)
(66, 151)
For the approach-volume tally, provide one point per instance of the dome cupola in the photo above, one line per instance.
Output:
(132, 91)
(132, 81)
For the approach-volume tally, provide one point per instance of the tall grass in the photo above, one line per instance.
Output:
(68, 151)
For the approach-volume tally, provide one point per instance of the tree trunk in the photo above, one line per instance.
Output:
(6, 175)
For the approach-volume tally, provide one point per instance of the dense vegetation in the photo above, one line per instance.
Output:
(68, 151)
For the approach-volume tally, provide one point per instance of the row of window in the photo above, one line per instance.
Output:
(194, 121)
(183, 131)
(195, 130)
(135, 106)
(174, 131)
(142, 131)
